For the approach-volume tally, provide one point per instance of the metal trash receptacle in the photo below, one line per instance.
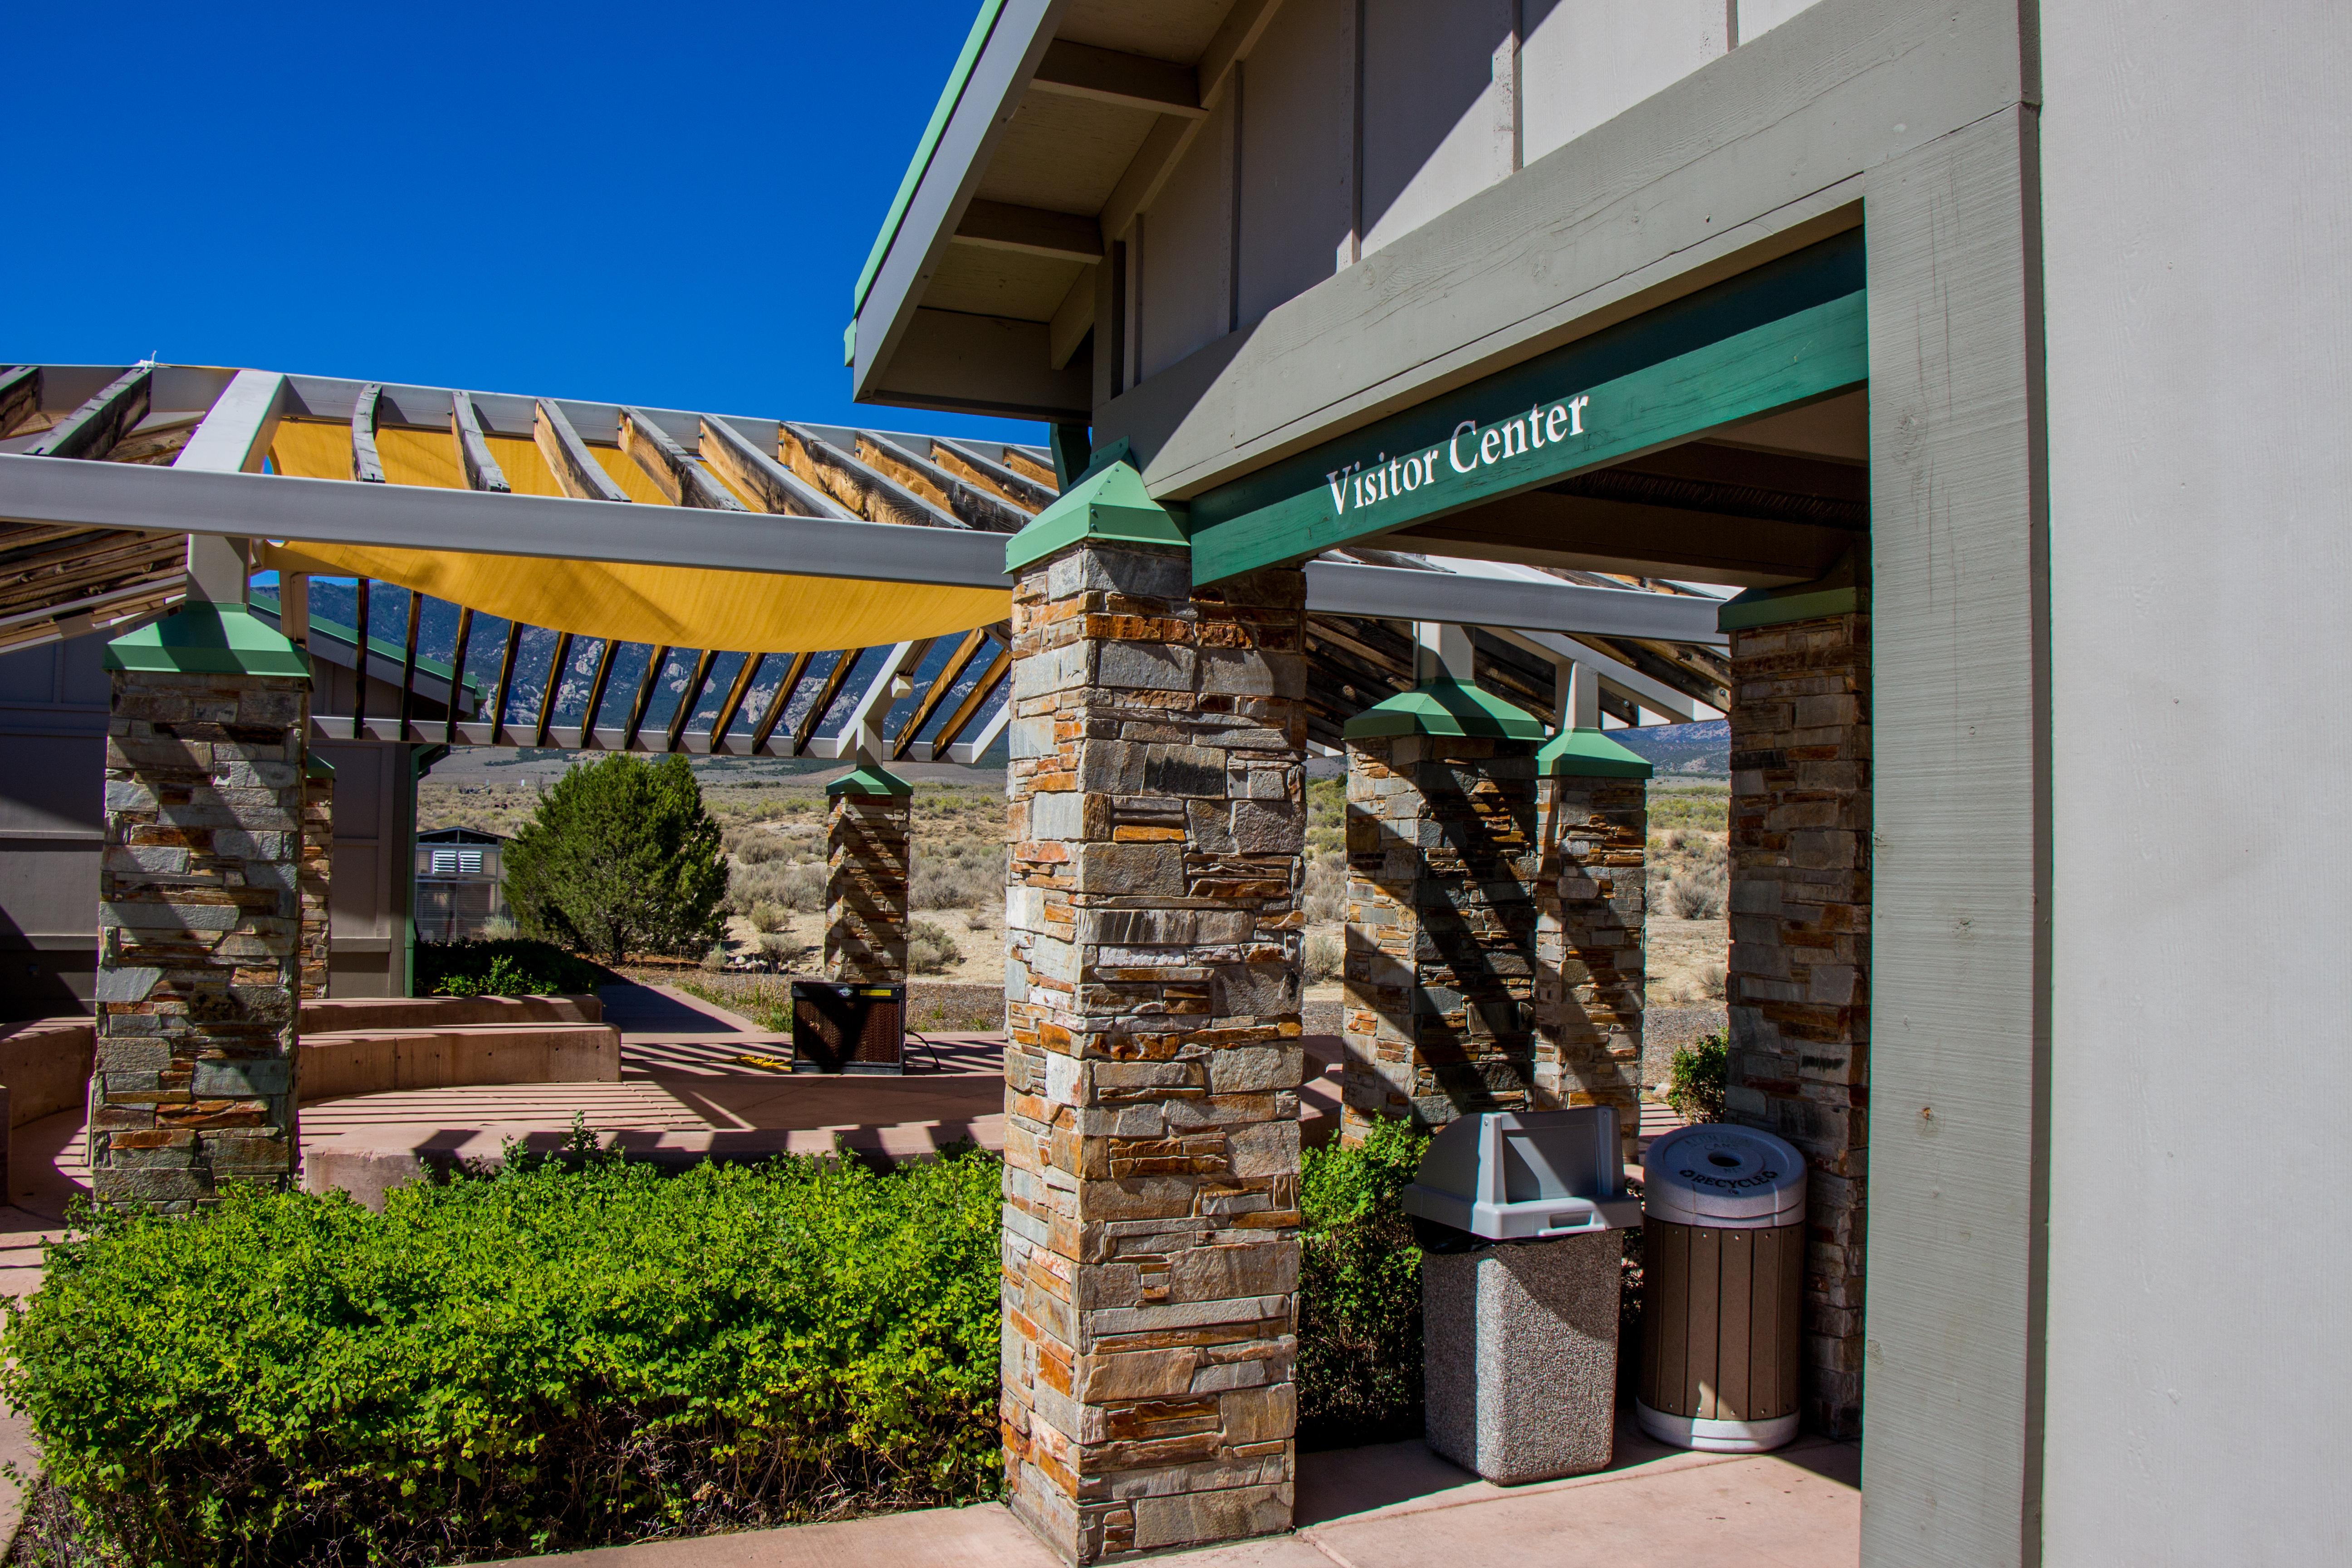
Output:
(1723, 1288)
(1521, 1218)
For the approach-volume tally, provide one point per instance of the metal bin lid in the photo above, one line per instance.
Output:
(1523, 1175)
(1725, 1177)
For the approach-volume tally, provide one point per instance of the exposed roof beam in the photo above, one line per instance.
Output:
(1029, 231)
(88, 431)
(457, 670)
(1630, 683)
(235, 436)
(1019, 489)
(970, 751)
(1107, 76)
(1165, 145)
(941, 684)
(419, 517)
(658, 656)
(873, 496)
(724, 719)
(680, 477)
(482, 470)
(1543, 527)
(969, 504)
(366, 466)
(773, 487)
(1343, 588)
(506, 681)
(20, 396)
(691, 698)
(575, 468)
(835, 678)
(1073, 318)
(958, 721)
(782, 701)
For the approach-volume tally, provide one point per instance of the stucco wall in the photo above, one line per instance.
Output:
(2196, 208)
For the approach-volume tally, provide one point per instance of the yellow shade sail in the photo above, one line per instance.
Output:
(682, 607)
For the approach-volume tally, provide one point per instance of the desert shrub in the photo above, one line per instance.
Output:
(1325, 896)
(1322, 955)
(1715, 979)
(559, 1356)
(799, 888)
(1359, 1291)
(1697, 894)
(930, 948)
(1696, 1077)
(534, 968)
(949, 881)
(497, 927)
(768, 915)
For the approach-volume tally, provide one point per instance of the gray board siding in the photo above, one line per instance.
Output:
(1753, 155)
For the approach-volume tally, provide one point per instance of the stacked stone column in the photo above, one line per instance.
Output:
(200, 920)
(1153, 1063)
(1590, 965)
(1800, 989)
(868, 824)
(1443, 851)
(317, 871)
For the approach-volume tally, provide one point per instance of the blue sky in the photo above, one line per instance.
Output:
(665, 204)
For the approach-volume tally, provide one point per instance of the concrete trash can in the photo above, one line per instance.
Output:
(1722, 1285)
(1519, 1214)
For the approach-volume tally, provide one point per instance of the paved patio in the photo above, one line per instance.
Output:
(1400, 1506)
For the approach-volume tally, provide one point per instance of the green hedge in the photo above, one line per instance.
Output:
(539, 1361)
(524, 968)
(1360, 1292)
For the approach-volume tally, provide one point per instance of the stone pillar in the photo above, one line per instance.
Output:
(317, 871)
(1153, 1063)
(869, 817)
(1440, 988)
(1589, 970)
(199, 913)
(1800, 989)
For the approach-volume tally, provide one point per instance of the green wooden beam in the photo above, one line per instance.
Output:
(1785, 334)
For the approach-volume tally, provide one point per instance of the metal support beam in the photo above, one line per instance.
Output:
(1401, 594)
(234, 436)
(970, 751)
(860, 732)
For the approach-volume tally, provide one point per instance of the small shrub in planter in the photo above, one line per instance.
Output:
(563, 1355)
(540, 968)
(1359, 1292)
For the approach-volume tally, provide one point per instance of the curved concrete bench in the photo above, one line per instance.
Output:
(376, 1045)
(335, 1016)
(44, 1066)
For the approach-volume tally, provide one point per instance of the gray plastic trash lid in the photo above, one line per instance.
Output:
(1525, 1175)
(1730, 1178)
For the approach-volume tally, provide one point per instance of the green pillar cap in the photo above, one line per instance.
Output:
(1588, 753)
(1108, 503)
(1445, 707)
(870, 778)
(199, 638)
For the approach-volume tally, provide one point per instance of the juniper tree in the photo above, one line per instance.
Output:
(621, 853)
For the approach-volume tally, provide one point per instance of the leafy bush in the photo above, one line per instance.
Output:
(930, 948)
(534, 968)
(1359, 1292)
(547, 1359)
(1695, 1079)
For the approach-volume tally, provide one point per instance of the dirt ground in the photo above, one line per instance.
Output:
(775, 824)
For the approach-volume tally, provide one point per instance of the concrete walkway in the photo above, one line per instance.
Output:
(1400, 1506)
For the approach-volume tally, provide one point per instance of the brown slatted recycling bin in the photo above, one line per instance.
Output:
(1723, 1271)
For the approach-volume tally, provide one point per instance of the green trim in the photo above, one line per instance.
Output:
(199, 638)
(869, 779)
(1444, 707)
(950, 96)
(1588, 753)
(1765, 607)
(315, 766)
(1787, 333)
(1111, 503)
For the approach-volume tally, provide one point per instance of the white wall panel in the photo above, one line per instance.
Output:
(1187, 260)
(2197, 207)
(1437, 126)
(1757, 16)
(1298, 117)
(1587, 61)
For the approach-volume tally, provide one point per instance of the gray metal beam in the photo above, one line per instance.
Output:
(235, 436)
(1395, 592)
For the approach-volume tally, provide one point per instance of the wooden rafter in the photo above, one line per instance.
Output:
(91, 430)
(458, 672)
(692, 697)
(505, 682)
(941, 684)
(20, 397)
(359, 650)
(875, 497)
(782, 701)
(770, 486)
(554, 684)
(644, 696)
(1018, 488)
(408, 661)
(968, 503)
(835, 678)
(725, 719)
(681, 479)
(973, 701)
(367, 465)
(575, 468)
(596, 684)
(482, 471)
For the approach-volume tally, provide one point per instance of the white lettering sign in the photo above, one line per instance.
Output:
(1469, 450)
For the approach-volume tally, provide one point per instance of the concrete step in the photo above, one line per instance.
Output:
(44, 1064)
(376, 1061)
(342, 1014)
